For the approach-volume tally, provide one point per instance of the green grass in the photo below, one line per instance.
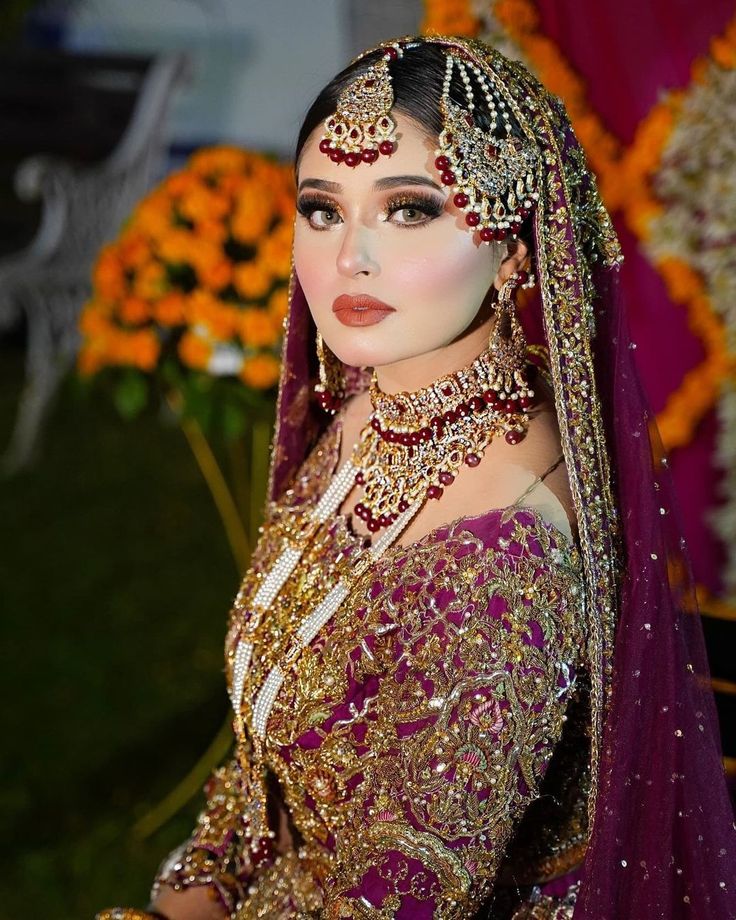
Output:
(115, 580)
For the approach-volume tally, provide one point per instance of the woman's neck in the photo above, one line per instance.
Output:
(420, 371)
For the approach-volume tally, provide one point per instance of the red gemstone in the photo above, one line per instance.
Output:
(510, 405)
(448, 177)
(486, 234)
(425, 434)
(361, 510)
(403, 505)
(386, 148)
(324, 145)
(392, 54)
(352, 159)
(522, 277)
(513, 437)
(393, 517)
(490, 396)
(450, 416)
(472, 219)
(476, 404)
(373, 525)
(370, 155)
(336, 155)
(338, 129)
(384, 520)
(462, 409)
(461, 200)
(523, 213)
(526, 402)
(499, 234)
(442, 163)
(446, 478)
(360, 478)
(414, 438)
(472, 459)
(391, 436)
(375, 424)
(435, 492)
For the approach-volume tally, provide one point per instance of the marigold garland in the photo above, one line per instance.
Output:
(198, 274)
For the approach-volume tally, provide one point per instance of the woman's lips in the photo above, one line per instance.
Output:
(360, 310)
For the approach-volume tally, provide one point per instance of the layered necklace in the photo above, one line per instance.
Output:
(415, 443)
(410, 450)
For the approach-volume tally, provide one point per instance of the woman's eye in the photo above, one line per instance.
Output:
(408, 216)
(414, 212)
(323, 218)
(319, 214)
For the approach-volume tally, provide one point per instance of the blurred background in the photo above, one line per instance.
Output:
(145, 212)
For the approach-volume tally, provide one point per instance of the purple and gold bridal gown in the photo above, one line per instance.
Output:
(427, 755)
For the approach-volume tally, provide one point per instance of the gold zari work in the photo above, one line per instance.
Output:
(414, 732)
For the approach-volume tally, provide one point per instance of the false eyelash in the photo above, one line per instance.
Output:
(427, 204)
(308, 204)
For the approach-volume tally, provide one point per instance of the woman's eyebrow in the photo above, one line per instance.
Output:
(380, 185)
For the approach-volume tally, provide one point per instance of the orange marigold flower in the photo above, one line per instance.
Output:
(202, 203)
(94, 321)
(176, 246)
(145, 349)
(217, 275)
(214, 231)
(170, 310)
(89, 361)
(275, 250)
(206, 309)
(251, 280)
(278, 305)
(134, 249)
(257, 328)
(134, 310)
(109, 275)
(179, 183)
(261, 371)
(194, 351)
(150, 281)
(153, 216)
(218, 159)
(251, 218)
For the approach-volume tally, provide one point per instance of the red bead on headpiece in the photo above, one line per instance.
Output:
(362, 128)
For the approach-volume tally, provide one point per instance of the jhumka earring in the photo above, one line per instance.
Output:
(492, 172)
(330, 390)
(362, 127)
(507, 348)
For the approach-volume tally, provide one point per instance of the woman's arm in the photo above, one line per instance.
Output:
(207, 875)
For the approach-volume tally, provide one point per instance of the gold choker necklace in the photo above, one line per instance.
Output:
(414, 443)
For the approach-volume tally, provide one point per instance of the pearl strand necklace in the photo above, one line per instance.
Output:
(338, 490)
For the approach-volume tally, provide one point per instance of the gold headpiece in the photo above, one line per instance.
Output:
(362, 127)
(492, 170)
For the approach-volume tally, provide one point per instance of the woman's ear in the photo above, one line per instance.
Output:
(517, 260)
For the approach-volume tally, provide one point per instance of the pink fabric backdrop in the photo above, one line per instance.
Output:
(628, 54)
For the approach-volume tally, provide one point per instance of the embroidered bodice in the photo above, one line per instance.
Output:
(410, 738)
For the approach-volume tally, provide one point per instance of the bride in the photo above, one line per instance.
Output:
(463, 676)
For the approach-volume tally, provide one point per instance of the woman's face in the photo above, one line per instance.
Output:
(387, 232)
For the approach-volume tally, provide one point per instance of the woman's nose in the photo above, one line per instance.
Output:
(355, 256)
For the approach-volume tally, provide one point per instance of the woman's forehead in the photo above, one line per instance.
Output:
(413, 159)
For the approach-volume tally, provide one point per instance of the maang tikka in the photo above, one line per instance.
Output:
(362, 127)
